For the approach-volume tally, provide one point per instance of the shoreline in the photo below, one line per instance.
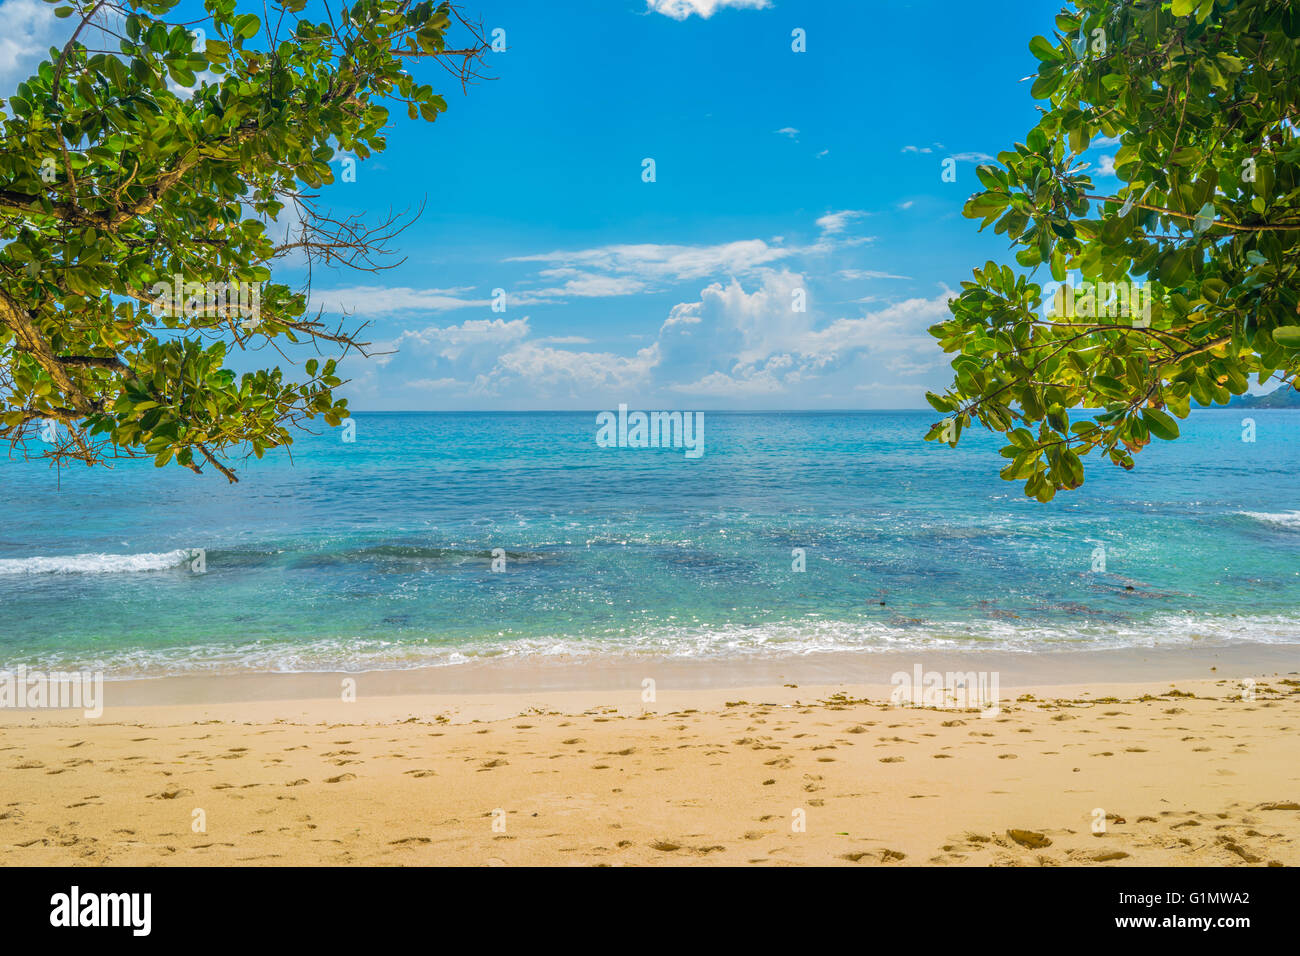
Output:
(625, 676)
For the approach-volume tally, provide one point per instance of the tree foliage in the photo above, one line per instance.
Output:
(1202, 217)
(161, 162)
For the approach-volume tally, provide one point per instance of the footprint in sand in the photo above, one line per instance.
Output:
(171, 793)
(1031, 839)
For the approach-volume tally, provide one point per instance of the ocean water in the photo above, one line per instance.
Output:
(379, 553)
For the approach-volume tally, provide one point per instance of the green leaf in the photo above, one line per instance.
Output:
(1042, 48)
(990, 176)
(245, 26)
(938, 402)
(1046, 84)
(1160, 424)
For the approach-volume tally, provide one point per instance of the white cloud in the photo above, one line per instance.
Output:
(916, 149)
(747, 382)
(973, 157)
(30, 29)
(684, 313)
(888, 388)
(867, 274)
(908, 366)
(765, 319)
(382, 300)
(681, 9)
(629, 269)
(740, 338)
(550, 371)
(752, 344)
(1106, 166)
(436, 383)
(652, 261)
(578, 285)
(452, 341)
(898, 327)
(789, 131)
(835, 222)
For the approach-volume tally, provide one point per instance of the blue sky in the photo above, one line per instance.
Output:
(775, 171)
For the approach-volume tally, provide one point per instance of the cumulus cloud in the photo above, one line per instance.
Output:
(754, 332)
(747, 382)
(552, 372)
(897, 327)
(30, 29)
(681, 9)
(453, 341)
(754, 343)
(757, 340)
(752, 326)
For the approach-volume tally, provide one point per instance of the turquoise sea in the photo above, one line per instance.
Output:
(378, 553)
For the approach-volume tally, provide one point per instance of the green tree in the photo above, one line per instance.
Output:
(1200, 96)
(139, 185)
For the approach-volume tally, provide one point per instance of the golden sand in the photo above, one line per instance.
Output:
(1191, 774)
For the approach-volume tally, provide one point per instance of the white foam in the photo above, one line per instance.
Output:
(769, 641)
(95, 563)
(1288, 519)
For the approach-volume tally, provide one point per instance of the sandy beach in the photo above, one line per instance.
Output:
(1184, 772)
